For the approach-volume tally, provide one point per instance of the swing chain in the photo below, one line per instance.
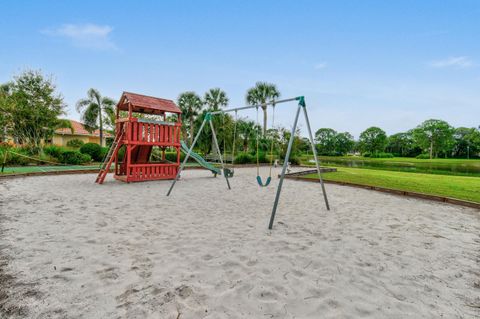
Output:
(234, 137)
(269, 178)
(273, 138)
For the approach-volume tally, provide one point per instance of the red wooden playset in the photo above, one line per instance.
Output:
(139, 135)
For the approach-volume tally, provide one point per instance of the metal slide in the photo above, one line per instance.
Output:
(200, 160)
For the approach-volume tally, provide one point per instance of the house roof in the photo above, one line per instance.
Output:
(147, 104)
(79, 129)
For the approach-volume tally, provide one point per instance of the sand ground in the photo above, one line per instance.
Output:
(72, 249)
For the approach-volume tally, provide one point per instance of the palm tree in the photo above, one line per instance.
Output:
(246, 131)
(95, 110)
(215, 98)
(190, 104)
(262, 93)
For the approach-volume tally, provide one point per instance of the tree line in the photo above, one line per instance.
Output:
(431, 139)
(31, 110)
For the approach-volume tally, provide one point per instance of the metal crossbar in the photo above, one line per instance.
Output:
(254, 106)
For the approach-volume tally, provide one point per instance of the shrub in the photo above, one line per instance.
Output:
(75, 143)
(75, 158)
(15, 158)
(244, 158)
(423, 156)
(92, 149)
(172, 156)
(54, 151)
(381, 155)
(294, 160)
(262, 158)
(104, 152)
(378, 155)
(44, 159)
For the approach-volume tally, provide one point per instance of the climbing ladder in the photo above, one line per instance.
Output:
(107, 162)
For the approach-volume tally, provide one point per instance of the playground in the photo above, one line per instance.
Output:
(224, 241)
(206, 252)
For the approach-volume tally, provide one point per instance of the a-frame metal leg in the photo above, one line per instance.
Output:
(317, 162)
(187, 156)
(284, 168)
(219, 153)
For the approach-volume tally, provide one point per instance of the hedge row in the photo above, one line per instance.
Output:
(66, 156)
(247, 158)
(22, 156)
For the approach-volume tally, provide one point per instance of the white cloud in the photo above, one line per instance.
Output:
(89, 36)
(319, 66)
(459, 62)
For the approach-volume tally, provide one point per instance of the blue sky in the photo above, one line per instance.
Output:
(390, 64)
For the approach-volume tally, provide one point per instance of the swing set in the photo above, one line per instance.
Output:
(228, 172)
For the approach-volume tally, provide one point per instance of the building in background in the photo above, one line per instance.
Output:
(63, 135)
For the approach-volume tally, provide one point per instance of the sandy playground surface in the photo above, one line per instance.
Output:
(72, 249)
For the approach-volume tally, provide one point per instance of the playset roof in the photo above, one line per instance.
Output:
(147, 104)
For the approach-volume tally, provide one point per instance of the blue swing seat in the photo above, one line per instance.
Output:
(267, 182)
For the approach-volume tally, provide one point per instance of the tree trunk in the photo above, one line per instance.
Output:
(211, 143)
(191, 131)
(264, 107)
(431, 149)
(101, 123)
(184, 132)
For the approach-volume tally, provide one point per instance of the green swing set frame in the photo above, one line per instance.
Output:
(301, 106)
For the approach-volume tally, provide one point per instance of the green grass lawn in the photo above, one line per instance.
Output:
(45, 168)
(458, 167)
(456, 161)
(460, 187)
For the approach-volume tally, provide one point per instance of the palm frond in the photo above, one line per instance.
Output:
(90, 116)
(262, 92)
(81, 104)
(94, 95)
(108, 102)
(215, 98)
(190, 103)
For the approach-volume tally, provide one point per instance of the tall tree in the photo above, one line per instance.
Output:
(97, 110)
(373, 140)
(284, 139)
(434, 136)
(467, 142)
(191, 105)
(344, 143)
(401, 144)
(326, 138)
(5, 109)
(262, 93)
(34, 108)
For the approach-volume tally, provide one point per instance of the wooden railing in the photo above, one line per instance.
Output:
(166, 134)
(139, 172)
